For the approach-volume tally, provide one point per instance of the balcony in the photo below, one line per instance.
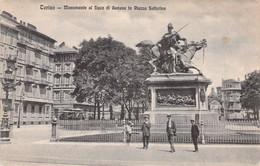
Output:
(37, 48)
(11, 58)
(36, 80)
(43, 81)
(29, 63)
(45, 67)
(28, 79)
(22, 42)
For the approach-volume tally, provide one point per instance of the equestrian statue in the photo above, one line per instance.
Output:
(173, 53)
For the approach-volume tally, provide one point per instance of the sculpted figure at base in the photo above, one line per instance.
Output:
(173, 53)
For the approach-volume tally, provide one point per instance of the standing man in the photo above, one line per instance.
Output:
(195, 134)
(171, 132)
(146, 132)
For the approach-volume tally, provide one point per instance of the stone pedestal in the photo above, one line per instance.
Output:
(183, 95)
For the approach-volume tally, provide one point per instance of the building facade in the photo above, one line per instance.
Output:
(33, 67)
(8, 54)
(231, 93)
(65, 106)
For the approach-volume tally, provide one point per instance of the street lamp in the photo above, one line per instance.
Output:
(8, 86)
(19, 114)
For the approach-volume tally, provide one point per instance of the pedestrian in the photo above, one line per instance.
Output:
(146, 132)
(195, 134)
(171, 132)
(128, 130)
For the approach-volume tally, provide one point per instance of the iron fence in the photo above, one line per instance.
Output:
(232, 132)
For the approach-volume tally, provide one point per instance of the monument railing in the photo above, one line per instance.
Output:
(231, 132)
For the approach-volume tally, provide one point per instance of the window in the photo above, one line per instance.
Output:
(11, 40)
(43, 90)
(2, 36)
(28, 88)
(32, 111)
(67, 67)
(35, 74)
(58, 67)
(16, 107)
(47, 109)
(19, 71)
(2, 49)
(57, 80)
(43, 109)
(21, 53)
(57, 95)
(67, 95)
(49, 77)
(40, 109)
(25, 109)
(67, 80)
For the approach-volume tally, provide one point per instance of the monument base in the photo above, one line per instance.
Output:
(181, 116)
(183, 95)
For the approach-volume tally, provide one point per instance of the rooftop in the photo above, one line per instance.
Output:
(62, 48)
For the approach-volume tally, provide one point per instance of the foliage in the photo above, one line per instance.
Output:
(108, 71)
(250, 98)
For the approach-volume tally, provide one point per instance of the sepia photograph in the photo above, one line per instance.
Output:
(130, 82)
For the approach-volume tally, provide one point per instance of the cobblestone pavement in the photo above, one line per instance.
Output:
(30, 146)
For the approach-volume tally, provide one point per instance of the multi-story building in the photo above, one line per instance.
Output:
(231, 93)
(32, 100)
(64, 58)
(8, 54)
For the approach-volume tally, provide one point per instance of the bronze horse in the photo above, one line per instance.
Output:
(178, 57)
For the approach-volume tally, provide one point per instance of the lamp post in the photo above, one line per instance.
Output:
(8, 86)
(202, 133)
(19, 114)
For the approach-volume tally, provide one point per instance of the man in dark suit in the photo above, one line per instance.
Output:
(171, 132)
(195, 134)
(146, 132)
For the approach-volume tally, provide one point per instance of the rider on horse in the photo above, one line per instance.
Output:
(170, 40)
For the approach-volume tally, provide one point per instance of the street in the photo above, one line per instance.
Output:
(30, 146)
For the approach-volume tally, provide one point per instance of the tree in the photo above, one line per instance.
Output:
(250, 97)
(106, 65)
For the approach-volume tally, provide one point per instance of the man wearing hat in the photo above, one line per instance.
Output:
(195, 134)
(146, 132)
(171, 132)
(167, 36)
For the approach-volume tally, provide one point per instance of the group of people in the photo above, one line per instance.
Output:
(170, 130)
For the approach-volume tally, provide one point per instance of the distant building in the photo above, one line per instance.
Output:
(231, 93)
(64, 59)
(214, 102)
(29, 53)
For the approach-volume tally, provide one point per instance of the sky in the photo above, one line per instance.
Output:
(231, 27)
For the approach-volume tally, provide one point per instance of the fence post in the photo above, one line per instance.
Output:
(54, 130)
(124, 140)
(202, 133)
(116, 125)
